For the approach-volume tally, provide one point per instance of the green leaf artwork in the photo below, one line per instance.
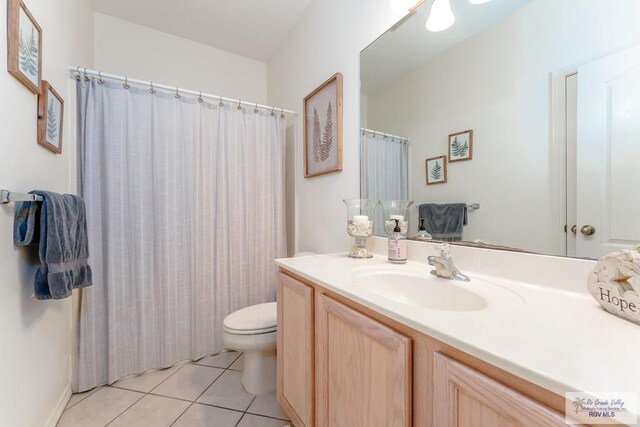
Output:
(316, 136)
(458, 149)
(52, 123)
(28, 53)
(436, 171)
(327, 136)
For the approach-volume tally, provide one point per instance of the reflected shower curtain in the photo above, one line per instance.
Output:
(185, 207)
(384, 170)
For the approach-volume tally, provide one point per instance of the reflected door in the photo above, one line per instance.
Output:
(608, 154)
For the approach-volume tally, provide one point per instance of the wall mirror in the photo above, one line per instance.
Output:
(551, 92)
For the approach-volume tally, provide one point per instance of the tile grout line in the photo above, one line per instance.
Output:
(207, 388)
(93, 390)
(181, 414)
(158, 395)
(245, 412)
(191, 402)
(161, 382)
(128, 407)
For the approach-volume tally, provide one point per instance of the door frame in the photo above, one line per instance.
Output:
(558, 157)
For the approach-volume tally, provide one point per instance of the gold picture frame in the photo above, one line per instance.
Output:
(322, 140)
(24, 46)
(436, 168)
(50, 118)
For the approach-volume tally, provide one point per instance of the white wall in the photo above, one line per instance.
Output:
(497, 83)
(327, 39)
(125, 48)
(35, 336)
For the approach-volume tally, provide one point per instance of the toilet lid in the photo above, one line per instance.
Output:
(257, 317)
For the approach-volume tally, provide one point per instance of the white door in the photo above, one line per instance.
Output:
(608, 153)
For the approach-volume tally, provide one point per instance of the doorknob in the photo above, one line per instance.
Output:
(588, 230)
(574, 229)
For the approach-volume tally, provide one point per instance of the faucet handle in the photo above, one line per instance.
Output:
(444, 249)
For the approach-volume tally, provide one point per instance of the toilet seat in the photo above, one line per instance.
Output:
(253, 320)
(251, 332)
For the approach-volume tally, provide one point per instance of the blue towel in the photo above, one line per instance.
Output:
(444, 222)
(58, 224)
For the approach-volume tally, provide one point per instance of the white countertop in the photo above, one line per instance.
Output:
(556, 338)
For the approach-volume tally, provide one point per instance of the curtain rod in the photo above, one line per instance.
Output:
(386, 135)
(153, 85)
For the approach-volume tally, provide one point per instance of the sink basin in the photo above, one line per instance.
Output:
(417, 287)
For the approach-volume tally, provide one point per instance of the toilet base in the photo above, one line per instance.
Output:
(259, 372)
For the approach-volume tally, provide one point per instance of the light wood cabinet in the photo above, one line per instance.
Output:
(465, 397)
(363, 370)
(296, 350)
(343, 364)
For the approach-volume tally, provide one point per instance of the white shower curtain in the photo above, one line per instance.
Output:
(384, 170)
(185, 206)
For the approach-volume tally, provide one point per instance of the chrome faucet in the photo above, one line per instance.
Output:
(444, 265)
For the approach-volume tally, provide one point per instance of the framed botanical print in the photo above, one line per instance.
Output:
(461, 146)
(323, 128)
(50, 118)
(436, 170)
(24, 45)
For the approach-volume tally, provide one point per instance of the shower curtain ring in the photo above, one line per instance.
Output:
(200, 100)
(152, 90)
(220, 103)
(239, 107)
(79, 73)
(273, 111)
(282, 113)
(255, 110)
(126, 82)
(86, 77)
(177, 95)
(100, 77)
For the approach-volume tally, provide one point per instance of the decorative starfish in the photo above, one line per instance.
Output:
(621, 281)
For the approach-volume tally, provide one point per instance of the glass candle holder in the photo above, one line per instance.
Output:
(396, 209)
(360, 215)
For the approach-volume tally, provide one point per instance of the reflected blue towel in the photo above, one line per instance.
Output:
(58, 224)
(444, 222)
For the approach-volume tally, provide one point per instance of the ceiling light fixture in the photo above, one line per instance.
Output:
(441, 16)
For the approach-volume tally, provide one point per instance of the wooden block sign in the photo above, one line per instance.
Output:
(615, 284)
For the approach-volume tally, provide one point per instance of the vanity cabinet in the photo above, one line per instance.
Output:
(363, 369)
(296, 350)
(343, 364)
(466, 397)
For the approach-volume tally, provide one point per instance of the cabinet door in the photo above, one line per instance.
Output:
(465, 397)
(295, 350)
(363, 376)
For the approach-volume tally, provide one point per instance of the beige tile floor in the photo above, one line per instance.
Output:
(206, 393)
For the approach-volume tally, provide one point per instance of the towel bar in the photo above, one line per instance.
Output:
(7, 196)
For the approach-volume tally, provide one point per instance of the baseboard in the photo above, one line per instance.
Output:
(57, 412)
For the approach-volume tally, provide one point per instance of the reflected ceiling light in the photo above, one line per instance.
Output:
(441, 16)
(479, 1)
(402, 4)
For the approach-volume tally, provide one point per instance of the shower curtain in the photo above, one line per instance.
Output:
(185, 207)
(384, 170)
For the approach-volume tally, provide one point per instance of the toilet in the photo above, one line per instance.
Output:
(253, 331)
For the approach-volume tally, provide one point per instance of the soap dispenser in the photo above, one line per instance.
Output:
(397, 249)
(422, 232)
